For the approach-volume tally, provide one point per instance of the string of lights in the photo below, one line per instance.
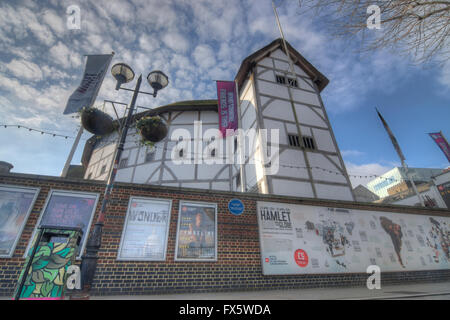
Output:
(42, 132)
(202, 154)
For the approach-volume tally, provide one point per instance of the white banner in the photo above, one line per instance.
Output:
(145, 230)
(94, 72)
(298, 239)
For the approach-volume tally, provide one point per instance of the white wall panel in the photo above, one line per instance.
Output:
(266, 62)
(292, 188)
(185, 117)
(143, 172)
(279, 109)
(325, 191)
(273, 89)
(324, 140)
(124, 175)
(305, 97)
(306, 115)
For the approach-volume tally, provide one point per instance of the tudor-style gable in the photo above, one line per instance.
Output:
(275, 98)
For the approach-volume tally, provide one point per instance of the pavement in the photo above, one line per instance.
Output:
(419, 291)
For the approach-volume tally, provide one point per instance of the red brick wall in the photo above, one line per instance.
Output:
(238, 265)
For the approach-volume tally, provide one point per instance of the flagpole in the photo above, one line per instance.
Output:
(72, 152)
(282, 37)
(412, 183)
(400, 155)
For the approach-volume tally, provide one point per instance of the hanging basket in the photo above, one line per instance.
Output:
(96, 121)
(152, 129)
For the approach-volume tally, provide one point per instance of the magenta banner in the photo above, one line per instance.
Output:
(227, 102)
(438, 137)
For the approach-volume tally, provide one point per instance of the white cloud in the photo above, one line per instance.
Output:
(65, 57)
(364, 173)
(148, 44)
(444, 77)
(176, 42)
(351, 153)
(204, 56)
(55, 22)
(25, 69)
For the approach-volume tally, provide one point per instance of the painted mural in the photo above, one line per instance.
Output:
(47, 275)
(297, 239)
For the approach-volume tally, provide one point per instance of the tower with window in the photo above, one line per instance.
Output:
(275, 96)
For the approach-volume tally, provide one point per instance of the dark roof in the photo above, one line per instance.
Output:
(247, 65)
(362, 194)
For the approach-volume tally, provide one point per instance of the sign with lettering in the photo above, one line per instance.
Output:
(146, 229)
(300, 239)
(86, 93)
(227, 101)
(440, 140)
(236, 207)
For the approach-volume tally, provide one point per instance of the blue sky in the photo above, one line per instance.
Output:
(195, 43)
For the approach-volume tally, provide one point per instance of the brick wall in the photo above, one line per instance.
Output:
(238, 266)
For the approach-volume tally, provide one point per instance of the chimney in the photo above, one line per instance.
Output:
(5, 167)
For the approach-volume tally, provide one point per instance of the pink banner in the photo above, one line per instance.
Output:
(438, 137)
(227, 102)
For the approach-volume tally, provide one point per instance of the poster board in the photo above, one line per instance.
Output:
(16, 203)
(196, 232)
(300, 239)
(146, 230)
(68, 209)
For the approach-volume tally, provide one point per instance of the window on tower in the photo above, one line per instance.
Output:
(292, 82)
(281, 79)
(308, 143)
(123, 163)
(294, 140)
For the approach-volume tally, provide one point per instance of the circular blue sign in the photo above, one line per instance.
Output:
(236, 207)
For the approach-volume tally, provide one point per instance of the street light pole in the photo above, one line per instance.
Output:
(89, 259)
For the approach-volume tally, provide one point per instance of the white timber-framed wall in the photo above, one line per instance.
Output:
(264, 104)
(294, 110)
(136, 166)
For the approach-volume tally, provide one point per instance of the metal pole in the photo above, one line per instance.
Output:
(412, 183)
(89, 259)
(282, 36)
(241, 141)
(72, 152)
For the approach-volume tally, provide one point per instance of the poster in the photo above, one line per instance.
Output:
(197, 230)
(145, 230)
(299, 239)
(69, 209)
(15, 206)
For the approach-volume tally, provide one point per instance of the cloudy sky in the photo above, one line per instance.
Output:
(196, 42)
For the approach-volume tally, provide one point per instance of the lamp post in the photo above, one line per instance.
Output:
(123, 74)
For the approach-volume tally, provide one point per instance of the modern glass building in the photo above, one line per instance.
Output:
(397, 175)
